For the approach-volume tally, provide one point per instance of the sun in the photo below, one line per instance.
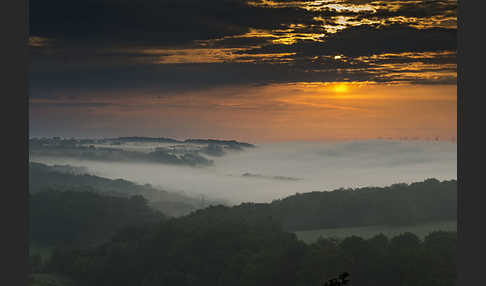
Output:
(340, 88)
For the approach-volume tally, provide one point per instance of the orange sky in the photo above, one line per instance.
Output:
(279, 112)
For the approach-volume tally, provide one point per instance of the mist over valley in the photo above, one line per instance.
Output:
(260, 172)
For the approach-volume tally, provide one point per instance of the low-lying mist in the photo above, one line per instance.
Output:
(276, 170)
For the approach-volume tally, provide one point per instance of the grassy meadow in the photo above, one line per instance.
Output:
(421, 230)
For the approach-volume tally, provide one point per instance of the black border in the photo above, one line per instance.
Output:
(15, 119)
(471, 194)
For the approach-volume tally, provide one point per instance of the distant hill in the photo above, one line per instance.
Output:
(146, 139)
(109, 154)
(62, 141)
(43, 177)
(184, 153)
(229, 143)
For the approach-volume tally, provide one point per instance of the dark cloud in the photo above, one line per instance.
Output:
(372, 39)
(173, 78)
(417, 10)
(108, 22)
(83, 46)
(149, 22)
(238, 42)
(154, 22)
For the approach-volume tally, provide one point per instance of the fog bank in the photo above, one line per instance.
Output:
(277, 170)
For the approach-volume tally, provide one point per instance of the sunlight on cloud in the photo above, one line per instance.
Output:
(222, 55)
(39, 42)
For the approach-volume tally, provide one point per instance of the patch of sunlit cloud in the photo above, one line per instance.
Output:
(35, 41)
(203, 55)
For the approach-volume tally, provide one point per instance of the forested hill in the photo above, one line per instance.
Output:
(190, 152)
(43, 177)
(67, 218)
(246, 244)
(229, 251)
(399, 204)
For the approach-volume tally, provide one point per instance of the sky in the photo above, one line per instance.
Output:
(254, 71)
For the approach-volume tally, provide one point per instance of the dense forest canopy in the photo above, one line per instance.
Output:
(80, 218)
(399, 204)
(230, 251)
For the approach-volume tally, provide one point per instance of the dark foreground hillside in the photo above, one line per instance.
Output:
(228, 251)
(121, 241)
(68, 219)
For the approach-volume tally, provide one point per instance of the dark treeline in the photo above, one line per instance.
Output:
(142, 139)
(399, 204)
(44, 177)
(195, 250)
(192, 158)
(177, 154)
(231, 144)
(74, 219)
(136, 139)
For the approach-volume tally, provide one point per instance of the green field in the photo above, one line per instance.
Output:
(44, 252)
(38, 279)
(421, 230)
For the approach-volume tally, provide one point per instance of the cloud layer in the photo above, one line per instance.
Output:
(245, 40)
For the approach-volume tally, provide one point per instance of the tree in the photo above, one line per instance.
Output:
(339, 281)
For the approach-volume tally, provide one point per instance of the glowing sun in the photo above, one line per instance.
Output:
(340, 88)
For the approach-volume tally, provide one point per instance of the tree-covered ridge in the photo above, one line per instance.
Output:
(229, 143)
(44, 177)
(185, 153)
(195, 250)
(74, 218)
(91, 152)
(139, 139)
(399, 204)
